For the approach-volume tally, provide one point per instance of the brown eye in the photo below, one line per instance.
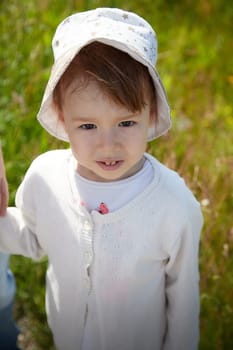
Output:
(127, 123)
(87, 126)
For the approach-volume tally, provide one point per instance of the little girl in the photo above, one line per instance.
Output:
(121, 231)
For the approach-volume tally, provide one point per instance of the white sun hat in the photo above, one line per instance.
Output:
(121, 29)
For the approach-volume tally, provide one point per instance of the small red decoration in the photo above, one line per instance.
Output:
(103, 209)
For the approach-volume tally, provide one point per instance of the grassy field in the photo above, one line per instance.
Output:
(195, 63)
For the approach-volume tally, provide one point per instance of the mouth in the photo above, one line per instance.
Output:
(110, 164)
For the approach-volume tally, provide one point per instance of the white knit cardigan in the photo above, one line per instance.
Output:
(127, 280)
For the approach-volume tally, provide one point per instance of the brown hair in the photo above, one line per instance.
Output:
(122, 78)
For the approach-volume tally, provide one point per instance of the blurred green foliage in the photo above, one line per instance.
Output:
(195, 64)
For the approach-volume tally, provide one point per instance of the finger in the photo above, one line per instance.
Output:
(3, 197)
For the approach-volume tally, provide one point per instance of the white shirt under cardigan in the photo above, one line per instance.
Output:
(128, 280)
(114, 194)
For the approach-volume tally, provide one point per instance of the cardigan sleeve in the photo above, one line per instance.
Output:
(182, 283)
(17, 235)
(18, 227)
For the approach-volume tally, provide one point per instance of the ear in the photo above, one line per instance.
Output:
(153, 114)
(61, 119)
(61, 116)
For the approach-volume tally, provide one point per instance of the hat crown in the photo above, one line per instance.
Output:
(106, 24)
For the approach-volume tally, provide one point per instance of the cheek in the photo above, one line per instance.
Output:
(81, 144)
(142, 133)
(137, 144)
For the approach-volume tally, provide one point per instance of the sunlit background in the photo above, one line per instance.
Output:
(196, 66)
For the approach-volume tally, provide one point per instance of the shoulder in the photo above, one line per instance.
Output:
(49, 167)
(170, 183)
(46, 174)
(51, 157)
(173, 195)
(49, 162)
(175, 207)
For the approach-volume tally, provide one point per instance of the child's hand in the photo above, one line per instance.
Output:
(4, 196)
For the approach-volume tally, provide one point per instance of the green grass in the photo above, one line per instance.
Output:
(195, 63)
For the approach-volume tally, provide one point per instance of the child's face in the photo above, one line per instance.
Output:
(106, 138)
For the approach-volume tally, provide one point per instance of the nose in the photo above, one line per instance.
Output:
(108, 139)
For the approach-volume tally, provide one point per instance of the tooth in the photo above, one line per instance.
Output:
(110, 163)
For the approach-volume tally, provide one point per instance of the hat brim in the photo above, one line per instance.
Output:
(48, 114)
